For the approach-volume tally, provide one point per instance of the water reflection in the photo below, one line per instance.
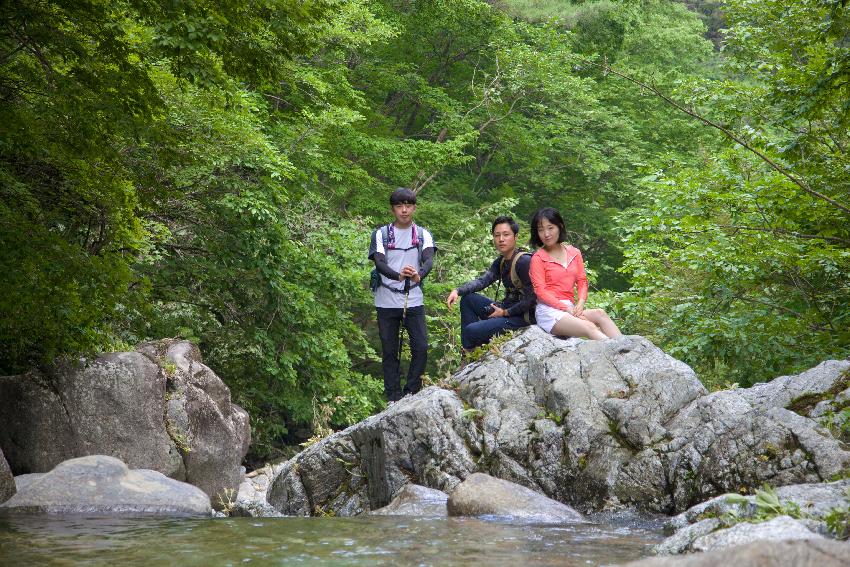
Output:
(384, 540)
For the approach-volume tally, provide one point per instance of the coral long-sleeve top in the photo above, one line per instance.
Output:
(553, 282)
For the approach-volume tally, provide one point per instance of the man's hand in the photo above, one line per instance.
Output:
(452, 298)
(497, 311)
(409, 272)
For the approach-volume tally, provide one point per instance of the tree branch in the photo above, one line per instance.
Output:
(726, 132)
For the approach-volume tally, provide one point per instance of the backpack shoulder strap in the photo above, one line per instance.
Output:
(515, 279)
(385, 236)
(420, 235)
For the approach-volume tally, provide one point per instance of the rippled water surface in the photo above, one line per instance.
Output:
(69, 541)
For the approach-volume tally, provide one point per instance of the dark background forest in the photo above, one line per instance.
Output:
(212, 170)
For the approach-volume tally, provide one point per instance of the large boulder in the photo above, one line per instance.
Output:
(7, 481)
(211, 432)
(427, 439)
(483, 495)
(99, 484)
(799, 553)
(159, 408)
(593, 424)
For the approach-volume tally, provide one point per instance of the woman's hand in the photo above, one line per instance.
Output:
(568, 306)
(579, 308)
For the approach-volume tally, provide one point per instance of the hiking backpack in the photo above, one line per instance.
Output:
(375, 280)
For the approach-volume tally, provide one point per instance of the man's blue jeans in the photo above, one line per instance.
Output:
(476, 328)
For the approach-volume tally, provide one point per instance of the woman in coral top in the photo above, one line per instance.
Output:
(556, 270)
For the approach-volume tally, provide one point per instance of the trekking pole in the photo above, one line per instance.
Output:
(403, 323)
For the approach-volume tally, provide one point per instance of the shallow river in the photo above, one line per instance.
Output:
(69, 541)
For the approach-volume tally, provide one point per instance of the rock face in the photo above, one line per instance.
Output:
(160, 408)
(702, 528)
(7, 481)
(415, 500)
(99, 484)
(593, 424)
(799, 553)
(483, 495)
(425, 439)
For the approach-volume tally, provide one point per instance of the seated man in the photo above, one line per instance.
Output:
(480, 317)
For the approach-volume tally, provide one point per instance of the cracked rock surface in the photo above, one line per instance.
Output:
(592, 424)
(705, 526)
(158, 408)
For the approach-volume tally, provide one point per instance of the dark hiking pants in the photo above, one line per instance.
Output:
(389, 323)
(476, 328)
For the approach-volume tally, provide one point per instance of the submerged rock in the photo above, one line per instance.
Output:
(7, 481)
(594, 424)
(99, 484)
(160, 408)
(415, 500)
(483, 495)
(799, 553)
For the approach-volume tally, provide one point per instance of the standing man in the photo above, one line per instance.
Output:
(403, 254)
(480, 317)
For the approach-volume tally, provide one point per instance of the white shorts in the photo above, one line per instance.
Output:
(547, 316)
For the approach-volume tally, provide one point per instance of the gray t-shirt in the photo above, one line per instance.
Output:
(402, 255)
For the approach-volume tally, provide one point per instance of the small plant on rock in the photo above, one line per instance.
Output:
(767, 506)
(838, 519)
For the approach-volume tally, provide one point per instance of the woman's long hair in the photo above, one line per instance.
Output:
(551, 215)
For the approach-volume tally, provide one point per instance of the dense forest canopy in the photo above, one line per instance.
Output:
(212, 170)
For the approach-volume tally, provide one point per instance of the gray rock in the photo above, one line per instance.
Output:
(7, 481)
(159, 408)
(112, 405)
(415, 500)
(680, 542)
(597, 425)
(211, 433)
(802, 392)
(24, 480)
(799, 553)
(777, 529)
(813, 500)
(99, 484)
(251, 500)
(425, 439)
(483, 495)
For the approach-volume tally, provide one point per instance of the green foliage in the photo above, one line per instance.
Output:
(838, 519)
(838, 423)
(765, 506)
(212, 171)
(740, 264)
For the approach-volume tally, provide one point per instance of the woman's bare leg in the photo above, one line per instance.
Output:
(569, 326)
(601, 319)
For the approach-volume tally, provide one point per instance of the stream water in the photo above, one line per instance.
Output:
(372, 540)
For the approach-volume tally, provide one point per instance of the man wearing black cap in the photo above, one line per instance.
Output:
(403, 254)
